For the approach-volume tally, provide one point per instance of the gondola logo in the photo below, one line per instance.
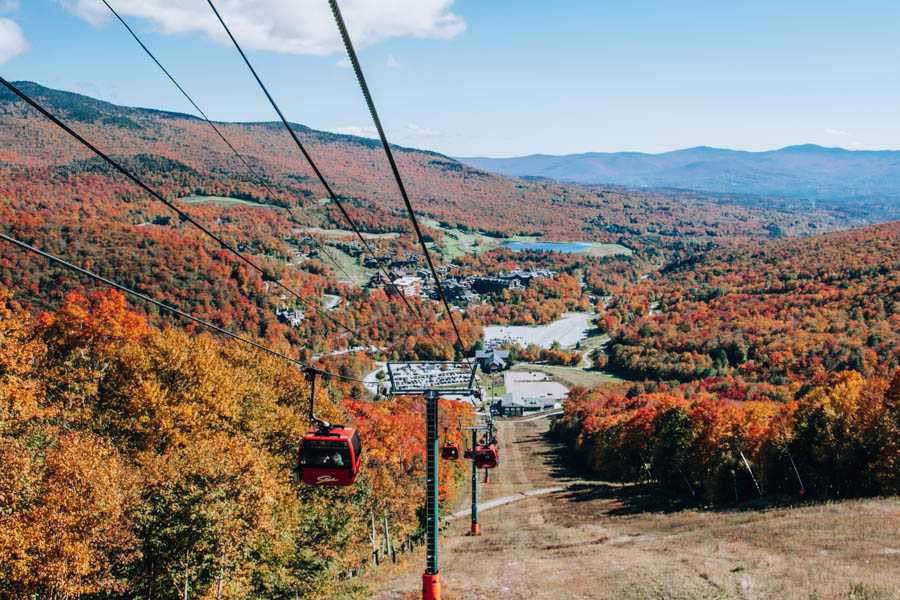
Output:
(326, 479)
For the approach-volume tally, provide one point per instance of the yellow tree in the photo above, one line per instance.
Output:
(20, 390)
(68, 529)
(82, 340)
(207, 506)
(832, 433)
(171, 389)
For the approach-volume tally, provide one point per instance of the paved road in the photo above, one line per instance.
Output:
(572, 328)
(372, 382)
(333, 301)
(536, 417)
(505, 500)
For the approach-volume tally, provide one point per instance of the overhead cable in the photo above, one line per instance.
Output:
(265, 275)
(164, 306)
(321, 177)
(351, 53)
(218, 131)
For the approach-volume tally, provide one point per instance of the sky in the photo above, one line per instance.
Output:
(493, 77)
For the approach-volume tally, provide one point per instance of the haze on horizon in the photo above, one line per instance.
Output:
(469, 78)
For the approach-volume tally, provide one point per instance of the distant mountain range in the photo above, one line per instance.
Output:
(806, 171)
(181, 154)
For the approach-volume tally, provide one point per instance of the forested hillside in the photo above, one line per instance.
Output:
(57, 196)
(142, 455)
(185, 154)
(769, 368)
(839, 439)
(137, 461)
(768, 319)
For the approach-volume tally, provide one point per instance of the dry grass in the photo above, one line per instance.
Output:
(598, 540)
(350, 233)
(573, 376)
(351, 266)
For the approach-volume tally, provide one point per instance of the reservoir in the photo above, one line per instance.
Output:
(566, 247)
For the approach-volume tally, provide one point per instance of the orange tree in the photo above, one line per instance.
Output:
(140, 461)
(841, 435)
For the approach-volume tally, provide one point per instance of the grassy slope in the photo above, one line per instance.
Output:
(219, 200)
(598, 540)
(458, 242)
(351, 265)
(572, 376)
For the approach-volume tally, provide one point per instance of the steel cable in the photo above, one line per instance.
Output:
(351, 53)
(228, 143)
(265, 275)
(165, 306)
(321, 177)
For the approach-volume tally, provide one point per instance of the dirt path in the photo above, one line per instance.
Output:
(597, 540)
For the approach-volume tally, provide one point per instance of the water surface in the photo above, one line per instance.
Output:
(566, 247)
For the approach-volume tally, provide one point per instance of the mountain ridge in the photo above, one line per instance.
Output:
(445, 190)
(802, 170)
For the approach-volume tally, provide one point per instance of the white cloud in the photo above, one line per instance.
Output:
(414, 130)
(369, 132)
(393, 63)
(410, 132)
(287, 26)
(344, 63)
(12, 40)
(8, 6)
(857, 146)
(835, 132)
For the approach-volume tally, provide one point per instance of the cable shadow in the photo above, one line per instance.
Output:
(632, 498)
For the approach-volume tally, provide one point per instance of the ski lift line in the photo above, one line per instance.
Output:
(164, 306)
(318, 173)
(351, 53)
(157, 196)
(749, 470)
(227, 142)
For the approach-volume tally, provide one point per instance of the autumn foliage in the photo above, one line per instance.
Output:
(839, 439)
(770, 318)
(139, 461)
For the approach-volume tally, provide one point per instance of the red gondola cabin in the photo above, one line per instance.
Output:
(330, 457)
(450, 451)
(486, 457)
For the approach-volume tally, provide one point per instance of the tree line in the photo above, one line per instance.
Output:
(839, 439)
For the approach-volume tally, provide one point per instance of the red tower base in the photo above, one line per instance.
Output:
(474, 528)
(431, 586)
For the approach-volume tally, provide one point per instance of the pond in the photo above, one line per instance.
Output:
(566, 247)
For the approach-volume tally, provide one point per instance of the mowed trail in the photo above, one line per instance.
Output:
(597, 540)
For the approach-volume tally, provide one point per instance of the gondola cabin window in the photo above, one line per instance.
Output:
(330, 458)
(486, 458)
(450, 451)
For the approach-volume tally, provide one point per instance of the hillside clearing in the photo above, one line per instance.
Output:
(349, 264)
(220, 200)
(347, 232)
(457, 242)
(597, 250)
(599, 540)
(568, 331)
(573, 376)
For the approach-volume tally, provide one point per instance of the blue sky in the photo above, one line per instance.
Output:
(494, 78)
